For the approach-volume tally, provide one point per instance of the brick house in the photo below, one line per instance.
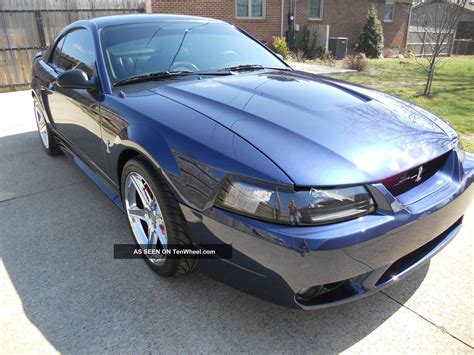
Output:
(267, 18)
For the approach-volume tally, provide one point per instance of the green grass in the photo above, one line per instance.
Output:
(452, 91)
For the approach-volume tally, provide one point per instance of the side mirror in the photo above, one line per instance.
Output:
(75, 79)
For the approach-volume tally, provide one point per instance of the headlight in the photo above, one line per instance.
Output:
(284, 205)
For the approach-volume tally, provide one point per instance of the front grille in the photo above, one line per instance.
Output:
(407, 180)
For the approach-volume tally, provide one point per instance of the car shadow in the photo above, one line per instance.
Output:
(57, 249)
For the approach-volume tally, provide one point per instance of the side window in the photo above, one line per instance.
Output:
(78, 52)
(56, 56)
(389, 7)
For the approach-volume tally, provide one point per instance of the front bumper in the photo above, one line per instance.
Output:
(351, 259)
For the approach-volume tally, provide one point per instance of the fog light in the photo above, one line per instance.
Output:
(310, 292)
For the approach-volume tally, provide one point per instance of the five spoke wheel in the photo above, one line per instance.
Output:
(145, 216)
(42, 127)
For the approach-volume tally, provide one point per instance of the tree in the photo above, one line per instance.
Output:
(436, 25)
(371, 39)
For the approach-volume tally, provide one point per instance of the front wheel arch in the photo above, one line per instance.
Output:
(123, 158)
(130, 153)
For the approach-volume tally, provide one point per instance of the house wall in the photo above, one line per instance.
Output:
(395, 32)
(345, 20)
(263, 29)
(348, 20)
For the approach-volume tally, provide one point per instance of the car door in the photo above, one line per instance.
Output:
(75, 112)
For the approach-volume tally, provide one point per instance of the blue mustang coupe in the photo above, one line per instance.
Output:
(326, 191)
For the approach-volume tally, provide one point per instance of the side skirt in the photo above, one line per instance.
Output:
(105, 188)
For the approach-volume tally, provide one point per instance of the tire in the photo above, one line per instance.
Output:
(47, 139)
(171, 225)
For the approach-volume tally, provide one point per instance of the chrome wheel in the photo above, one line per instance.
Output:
(42, 126)
(145, 216)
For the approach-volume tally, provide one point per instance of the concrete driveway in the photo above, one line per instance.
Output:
(62, 291)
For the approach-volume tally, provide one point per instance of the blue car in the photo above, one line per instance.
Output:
(326, 191)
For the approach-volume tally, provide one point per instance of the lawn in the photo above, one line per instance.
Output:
(453, 88)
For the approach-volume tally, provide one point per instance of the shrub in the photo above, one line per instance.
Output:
(371, 39)
(325, 57)
(409, 54)
(305, 42)
(280, 46)
(357, 62)
(299, 56)
(301, 39)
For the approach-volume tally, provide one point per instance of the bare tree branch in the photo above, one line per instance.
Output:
(436, 27)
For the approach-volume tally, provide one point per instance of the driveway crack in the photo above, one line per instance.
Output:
(444, 330)
(42, 191)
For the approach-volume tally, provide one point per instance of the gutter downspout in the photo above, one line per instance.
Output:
(148, 8)
(294, 13)
(282, 16)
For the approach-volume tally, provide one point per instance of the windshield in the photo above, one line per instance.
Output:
(139, 49)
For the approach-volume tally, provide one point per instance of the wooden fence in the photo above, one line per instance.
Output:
(421, 41)
(318, 35)
(463, 47)
(26, 26)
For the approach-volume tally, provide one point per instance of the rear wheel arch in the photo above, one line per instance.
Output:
(40, 98)
(48, 139)
(36, 97)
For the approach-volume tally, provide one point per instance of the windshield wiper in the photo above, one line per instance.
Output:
(165, 75)
(170, 74)
(152, 76)
(250, 67)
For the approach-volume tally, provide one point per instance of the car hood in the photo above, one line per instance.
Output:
(318, 131)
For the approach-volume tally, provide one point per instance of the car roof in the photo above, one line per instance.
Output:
(134, 18)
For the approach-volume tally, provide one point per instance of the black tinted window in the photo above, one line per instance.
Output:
(78, 52)
(137, 49)
(57, 53)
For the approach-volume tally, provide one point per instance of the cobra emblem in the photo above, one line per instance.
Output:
(418, 176)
